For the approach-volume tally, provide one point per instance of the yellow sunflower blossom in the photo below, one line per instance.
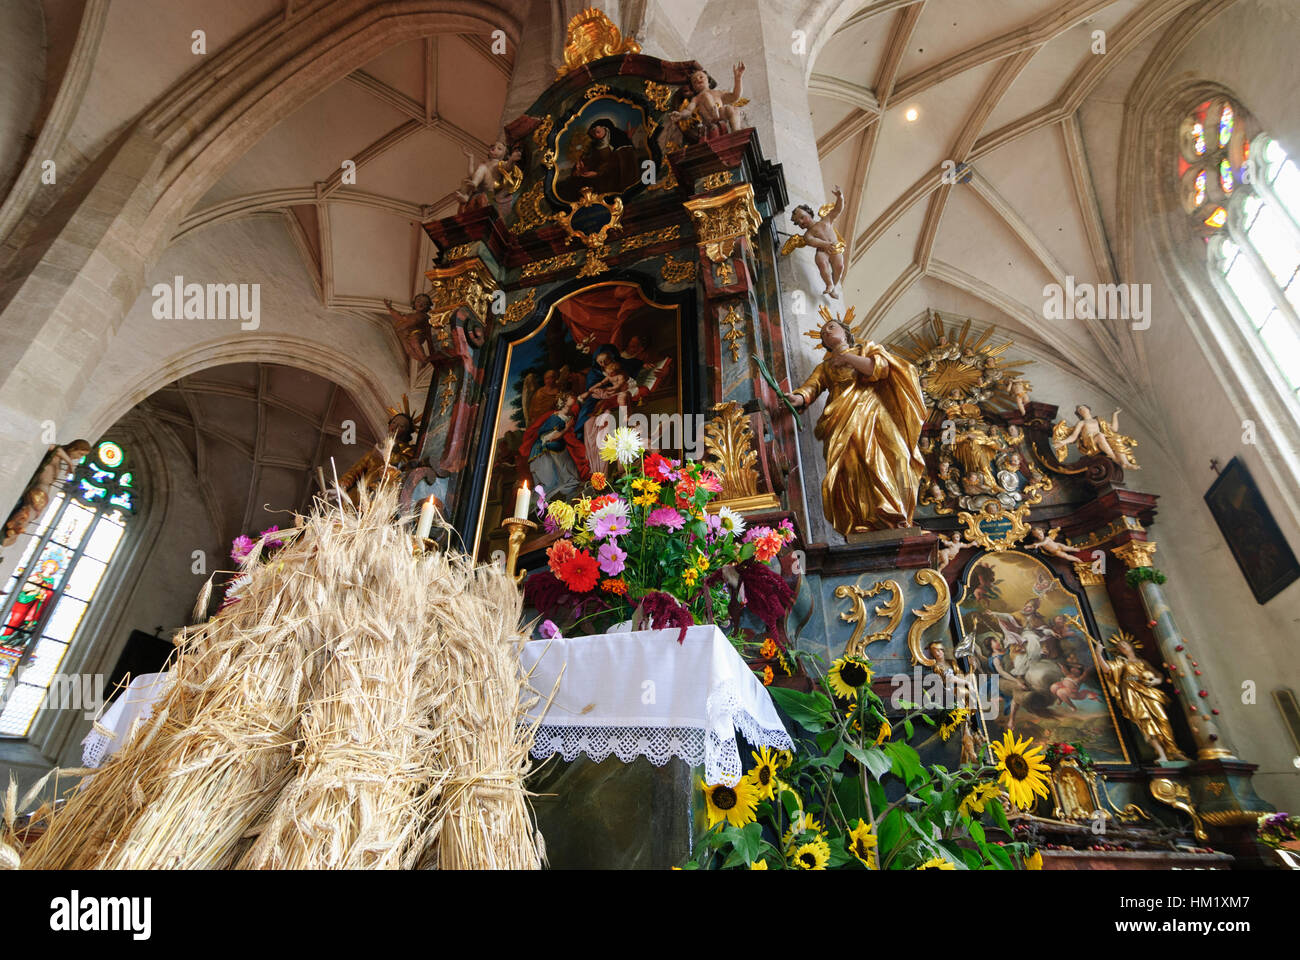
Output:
(1022, 769)
(737, 805)
(848, 674)
(1034, 861)
(758, 865)
(954, 720)
(764, 773)
(862, 844)
(937, 863)
(813, 855)
(973, 802)
(802, 824)
(702, 562)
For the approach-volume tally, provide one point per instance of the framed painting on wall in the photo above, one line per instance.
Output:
(1262, 553)
(1022, 625)
(601, 354)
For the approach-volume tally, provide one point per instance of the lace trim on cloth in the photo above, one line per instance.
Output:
(716, 752)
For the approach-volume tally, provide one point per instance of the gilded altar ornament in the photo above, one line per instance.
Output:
(1135, 686)
(448, 392)
(869, 430)
(529, 214)
(1136, 553)
(994, 527)
(521, 307)
(384, 461)
(519, 528)
(59, 463)
(594, 242)
(927, 614)
(729, 451)
(1176, 795)
(713, 181)
(467, 283)
(821, 235)
(857, 614)
(722, 219)
(678, 271)
(1094, 436)
(1086, 574)
(660, 94)
(948, 548)
(640, 240)
(539, 267)
(733, 336)
(1074, 792)
(591, 35)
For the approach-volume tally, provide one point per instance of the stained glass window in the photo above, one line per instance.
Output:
(68, 551)
(1241, 191)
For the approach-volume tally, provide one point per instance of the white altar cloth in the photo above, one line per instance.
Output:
(643, 694)
(113, 729)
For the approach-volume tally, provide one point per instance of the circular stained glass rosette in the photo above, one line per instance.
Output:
(110, 454)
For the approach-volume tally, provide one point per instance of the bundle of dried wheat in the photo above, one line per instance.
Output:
(306, 725)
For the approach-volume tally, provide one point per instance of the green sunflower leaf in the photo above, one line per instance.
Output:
(906, 761)
(997, 814)
(907, 728)
(977, 833)
(999, 856)
(812, 711)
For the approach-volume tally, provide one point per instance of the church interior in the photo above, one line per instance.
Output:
(649, 434)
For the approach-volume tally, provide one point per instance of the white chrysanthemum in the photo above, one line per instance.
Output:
(627, 444)
(616, 509)
(731, 521)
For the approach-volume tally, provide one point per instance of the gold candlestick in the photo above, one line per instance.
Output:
(519, 528)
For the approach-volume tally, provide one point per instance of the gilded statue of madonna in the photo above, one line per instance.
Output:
(869, 431)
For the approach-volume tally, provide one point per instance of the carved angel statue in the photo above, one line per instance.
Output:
(386, 458)
(58, 464)
(498, 174)
(1094, 435)
(718, 113)
(1136, 687)
(948, 549)
(822, 236)
(1019, 390)
(1046, 542)
(413, 328)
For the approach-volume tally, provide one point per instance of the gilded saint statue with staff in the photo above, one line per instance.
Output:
(869, 430)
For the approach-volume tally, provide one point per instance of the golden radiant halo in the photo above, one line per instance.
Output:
(405, 409)
(827, 317)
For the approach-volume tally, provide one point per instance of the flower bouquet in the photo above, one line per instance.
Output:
(244, 547)
(641, 549)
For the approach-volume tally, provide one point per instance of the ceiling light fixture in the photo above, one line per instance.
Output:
(911, 114)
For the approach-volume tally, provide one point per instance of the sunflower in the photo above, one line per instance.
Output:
(764, 773)
(937, 863)
(735, 804)
(951, 721)
(1023, 771)
(802, 824)
(862, 844)
(784, 758)
(877, 728)
(1035, 860)
(848, 674)
(689, 576)
(812, 855)
(975, 799)
(758, 865)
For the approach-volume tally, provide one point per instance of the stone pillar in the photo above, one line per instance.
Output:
(1197, 703)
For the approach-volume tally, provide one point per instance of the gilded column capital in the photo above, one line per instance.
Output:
(722, 219)
(1136, 553)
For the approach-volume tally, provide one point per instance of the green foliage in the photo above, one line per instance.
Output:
(1139, 575)
(848, 761)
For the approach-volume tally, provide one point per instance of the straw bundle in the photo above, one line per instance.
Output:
(355, 709)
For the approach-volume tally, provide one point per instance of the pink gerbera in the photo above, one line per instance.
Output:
(240, 547)
(665, 517)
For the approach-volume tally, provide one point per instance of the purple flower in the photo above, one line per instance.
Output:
(611, 559)
(540, 493)
(240, 547)
(665, 517)
(613, 525)
(757, 533)
(270, 540)
(549, 525)
(549, 631)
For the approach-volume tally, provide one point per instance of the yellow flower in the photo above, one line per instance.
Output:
(583, 508)
(764, 773)
(784, 758)
(645, 499)
(1022, 770)
(768, 650)
(758, 865)
(736, 804)
(608, 449)
(862, 844)
(689, 576)
(955, 718)
(702, 562)
(813, 855)
(974, 801)
(647, 485)
(582, 536)
(937, 863)
(562, 514)
(848, 674)
(768, 676)
(598, 480)
(801, 825)
(1034, 861)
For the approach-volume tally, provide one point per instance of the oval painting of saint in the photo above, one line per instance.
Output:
(603, 146)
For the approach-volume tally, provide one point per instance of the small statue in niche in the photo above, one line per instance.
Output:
(869, 430)
(500, 174)
(1094, 435)
(718, 113)
(58, 464)
(1019, 390)
(948, 549)
(1045, 541)
(958, 685)
(822, 236)
(1136, 687)
(413, 328)
(377, 463)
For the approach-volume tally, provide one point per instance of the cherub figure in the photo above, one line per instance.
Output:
(822, 236)
(1046, 542)
(499, 172)
(948, 549)
(1019, 389)
(1094, 435)
(718, 113)
(413, 328)
(617, 385)
(58, 464)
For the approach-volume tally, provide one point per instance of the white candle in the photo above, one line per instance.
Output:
(426, 519)
(522, 499)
